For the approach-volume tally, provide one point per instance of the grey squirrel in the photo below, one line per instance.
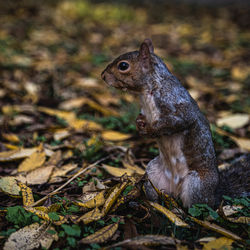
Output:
(186, 166)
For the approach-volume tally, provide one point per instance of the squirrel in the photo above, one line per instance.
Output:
(186, 166)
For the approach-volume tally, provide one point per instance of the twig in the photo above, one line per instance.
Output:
(70, 180)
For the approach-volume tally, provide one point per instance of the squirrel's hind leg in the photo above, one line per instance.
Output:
(198, 190)
(155, 173)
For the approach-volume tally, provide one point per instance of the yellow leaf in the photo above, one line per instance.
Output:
(40, 175)
(135, 168)
(34, 161)
(91, 216)
(9, 186)
(16, 154)
(217, 229)
(240, 72)
(55, 158)
(27, 194)
(61, 171)
(170, 215)
(133, 194)
(79, 124)
(242, 142)
(45, 216)
(118, 171)
(71, 119)
(241, 219)
(220, 243)
(10, 137)
(111, 135)
(61, 134)
(234, 121)
(10, 146)
(97, 201)
(31, 237)
(78, 102)
(101, 235)
(68, 116)
(113, 196)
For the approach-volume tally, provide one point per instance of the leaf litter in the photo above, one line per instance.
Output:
(69, 147)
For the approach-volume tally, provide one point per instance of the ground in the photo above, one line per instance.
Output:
(72, 162)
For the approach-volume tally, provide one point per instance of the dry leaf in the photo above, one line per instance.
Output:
(217, 229)
(10, 137)
(9, 186)
(220, 243)
(118, 172)
(45, 216)
(111, 135)
(135, 168)
(27, 194)
(230, 210)
(234, 121)
(113, 196)
(39, 175)
(170, 215)
(31, 237)
(16, 154)
(101, 235)
(34, 161)
(91, 216)
(97, 201)
(61, 171)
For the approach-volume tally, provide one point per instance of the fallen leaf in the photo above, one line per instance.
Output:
(96, 201)
(230, 210)
(101, 235)
(61, 171)
(220, 243)
(118, 172)
(40, 175)
(31, 237)
(91, 216)
(9, 186)
(113, 196)
(16, 154)
(234, 121)
(135, 168)
(217, 229)
(111, 135)
(27, 194)
(10, 137)
(34, 161)
(44, 215)
(170, 215)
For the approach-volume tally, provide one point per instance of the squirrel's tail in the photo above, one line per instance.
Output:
(235, 180)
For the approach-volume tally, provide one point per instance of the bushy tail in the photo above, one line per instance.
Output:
(235, 180)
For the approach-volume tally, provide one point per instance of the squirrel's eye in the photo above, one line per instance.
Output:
(123, 66)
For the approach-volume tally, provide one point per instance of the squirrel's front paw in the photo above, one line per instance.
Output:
(141, 124)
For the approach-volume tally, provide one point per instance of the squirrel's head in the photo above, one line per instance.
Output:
(128, 70)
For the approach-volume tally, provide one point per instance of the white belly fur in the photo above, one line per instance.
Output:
(149, 108)
(174, 162)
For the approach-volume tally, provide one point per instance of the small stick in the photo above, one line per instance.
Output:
(66, 183)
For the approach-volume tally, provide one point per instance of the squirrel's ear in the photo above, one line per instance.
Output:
(150, 45)
(144, 54)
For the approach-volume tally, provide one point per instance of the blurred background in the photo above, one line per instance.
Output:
(53, 51)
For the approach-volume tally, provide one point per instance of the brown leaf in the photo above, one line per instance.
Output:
(101, 235)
